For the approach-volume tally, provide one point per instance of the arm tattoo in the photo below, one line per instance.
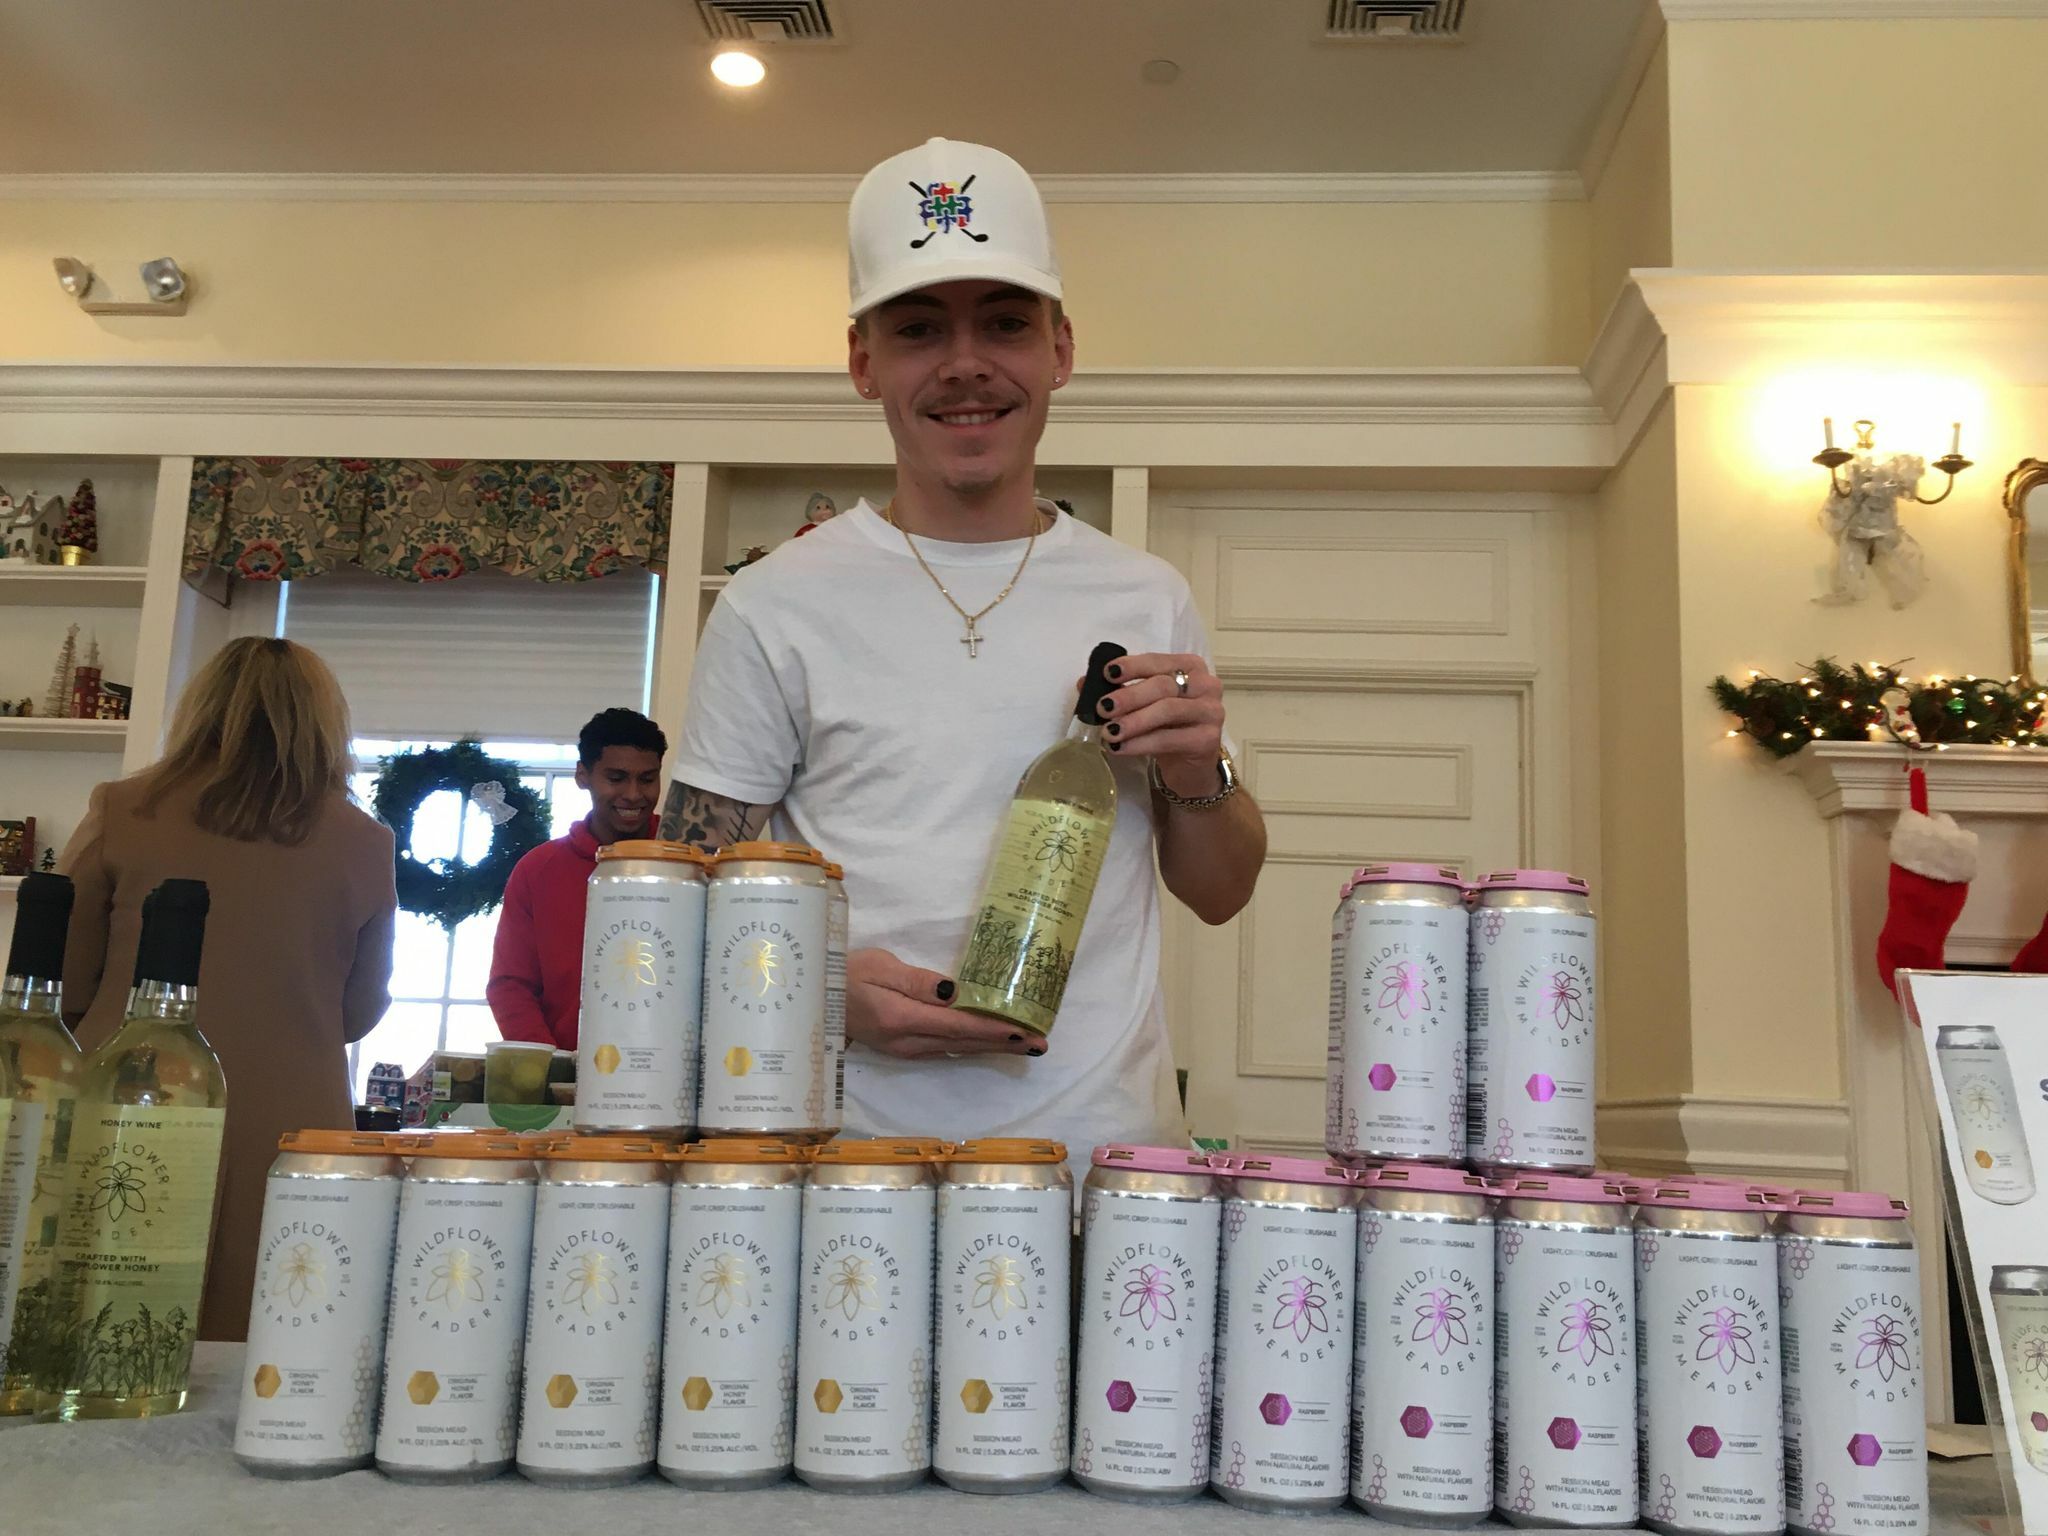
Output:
(707, 821)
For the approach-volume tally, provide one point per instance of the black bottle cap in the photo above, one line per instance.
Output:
(42, 914)
(173, 933)
(1096, 686)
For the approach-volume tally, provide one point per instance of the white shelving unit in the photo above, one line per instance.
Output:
(73, 586)
(39, 735)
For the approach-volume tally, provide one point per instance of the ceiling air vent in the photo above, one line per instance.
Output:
(1396, 20)
(766, 21)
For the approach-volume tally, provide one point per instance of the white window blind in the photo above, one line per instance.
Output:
(486, 654)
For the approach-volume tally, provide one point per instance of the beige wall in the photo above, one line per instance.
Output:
(1629, 212)
(701, 285)
(1845, 144)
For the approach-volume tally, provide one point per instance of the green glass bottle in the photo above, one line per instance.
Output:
(43, 1064)
(138, 1204)
(1035, 901)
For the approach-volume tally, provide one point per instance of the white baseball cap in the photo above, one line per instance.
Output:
(942, 212)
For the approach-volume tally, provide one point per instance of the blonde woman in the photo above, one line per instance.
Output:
(252, 798)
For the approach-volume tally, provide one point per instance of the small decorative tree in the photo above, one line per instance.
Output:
(57, 701)
(81, 525)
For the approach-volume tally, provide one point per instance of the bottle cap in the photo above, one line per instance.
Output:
(651, 848)
(1000, 1149)
(1096, 686)
(740, 1149)
(339, 1143)
(42, 914)
(884, 1149)
(774, 853)
(1279, 1170)
(173, 933)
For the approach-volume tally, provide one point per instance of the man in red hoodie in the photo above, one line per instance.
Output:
(536, 983)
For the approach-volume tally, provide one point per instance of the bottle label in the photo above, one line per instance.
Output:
(44, 1131)
(1029, 925)
(131, 1250)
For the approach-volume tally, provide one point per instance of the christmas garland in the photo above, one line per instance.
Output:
(1831, 702)
(448, 890)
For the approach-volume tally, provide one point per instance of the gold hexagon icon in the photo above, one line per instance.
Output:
(1983, 1158)
(828, 1397)
(607, 1058)
(739, 1061)
(976, 1396)
(696, 1394)
(423, 1387)
(267, 1381)
(561, 1391)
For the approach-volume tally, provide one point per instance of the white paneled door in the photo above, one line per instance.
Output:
(1394, 673)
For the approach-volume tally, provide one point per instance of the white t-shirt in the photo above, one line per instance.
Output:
(831, 680)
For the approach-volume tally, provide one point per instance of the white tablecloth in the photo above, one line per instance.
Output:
(177, 1476)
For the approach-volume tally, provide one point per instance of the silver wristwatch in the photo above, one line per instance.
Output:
(1196, 802)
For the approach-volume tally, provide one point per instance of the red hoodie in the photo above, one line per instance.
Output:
(536, 983)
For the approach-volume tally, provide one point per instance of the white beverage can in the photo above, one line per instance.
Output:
(1849, 1315)
(767, 961)
(457, 1327)
(594, 1312)
(2019, 1309)
(1151, 1219)
(1284, 1334)
(1564, 1391)
(728, 1396)
(1398, 960)
(637, 1045)
(864, 1317)
(1005, 1308)
(315, 1358)
(1990, 1135)
(1530, 1054)
(838, 927)
(1707, 1352)
(1422, 1389)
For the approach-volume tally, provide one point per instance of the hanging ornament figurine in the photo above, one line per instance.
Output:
(1864, 524)
(819, 509)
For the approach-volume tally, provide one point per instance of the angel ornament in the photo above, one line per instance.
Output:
(1864, 523)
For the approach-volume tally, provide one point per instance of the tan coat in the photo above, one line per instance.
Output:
(297, 964)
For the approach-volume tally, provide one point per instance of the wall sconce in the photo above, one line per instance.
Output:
(163, 280)
(1832, 458)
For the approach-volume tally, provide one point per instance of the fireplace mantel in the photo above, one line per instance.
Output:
(1844, 776)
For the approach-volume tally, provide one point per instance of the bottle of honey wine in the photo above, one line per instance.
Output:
(1028, 923)
(138, 1204)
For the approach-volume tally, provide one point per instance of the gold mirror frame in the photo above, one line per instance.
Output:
(2018, 486)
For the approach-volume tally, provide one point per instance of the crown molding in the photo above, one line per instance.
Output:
(321, 187)
(1853, 10)
(1643, 44)
(1626, 368)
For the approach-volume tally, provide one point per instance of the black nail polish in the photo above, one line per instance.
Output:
(945, 991)
(1113, 729)
(1016, 1039)
(1113, 671)
(1036, 1050)
(1116, 746)
(1107, 706)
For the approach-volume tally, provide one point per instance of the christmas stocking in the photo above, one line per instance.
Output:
(1933, 862)
(2033, 958)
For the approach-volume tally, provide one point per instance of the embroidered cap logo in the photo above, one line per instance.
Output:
(945, 208)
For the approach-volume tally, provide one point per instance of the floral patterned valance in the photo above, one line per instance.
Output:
(426, 519)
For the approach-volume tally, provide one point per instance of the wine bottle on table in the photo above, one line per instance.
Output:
(43, 1065)
(1029, 920)
(138, 1203)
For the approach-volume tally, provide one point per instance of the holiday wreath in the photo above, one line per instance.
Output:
(449, 890)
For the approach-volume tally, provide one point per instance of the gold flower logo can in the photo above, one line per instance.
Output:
(1529, 1024)
(1284, 1334)
(1564, 1390)
(637, 1046)
(1855, 1421)
(1398, 962)
(588, 1410)
(864, 1316)
(728, 1395)
(2019, 1311)
(1712, 1390)
(1985, 1109)
(770, 1067)
(1150, 1224)
(1005, 1306)
(456, 1334)
(1422, 1390)
(314, 1364)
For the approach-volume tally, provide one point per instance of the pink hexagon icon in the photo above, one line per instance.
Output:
(1865, 1451)
(1705, 1443)
(1121, 1397)
(2040, 1421)
(1564, 1434)
(1542, 1087)
(1416, 1422)
(1275, 1409)
(1381, 1077)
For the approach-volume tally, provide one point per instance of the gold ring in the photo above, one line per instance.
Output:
(1180, 681)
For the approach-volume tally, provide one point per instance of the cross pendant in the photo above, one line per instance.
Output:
(972, 640)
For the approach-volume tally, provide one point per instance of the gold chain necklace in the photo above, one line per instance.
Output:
(973, 638)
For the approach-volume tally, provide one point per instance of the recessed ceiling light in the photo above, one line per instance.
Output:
(738, 69)
(1159, 72)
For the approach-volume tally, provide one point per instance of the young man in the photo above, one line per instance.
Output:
(536, 982)
(879, 686)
